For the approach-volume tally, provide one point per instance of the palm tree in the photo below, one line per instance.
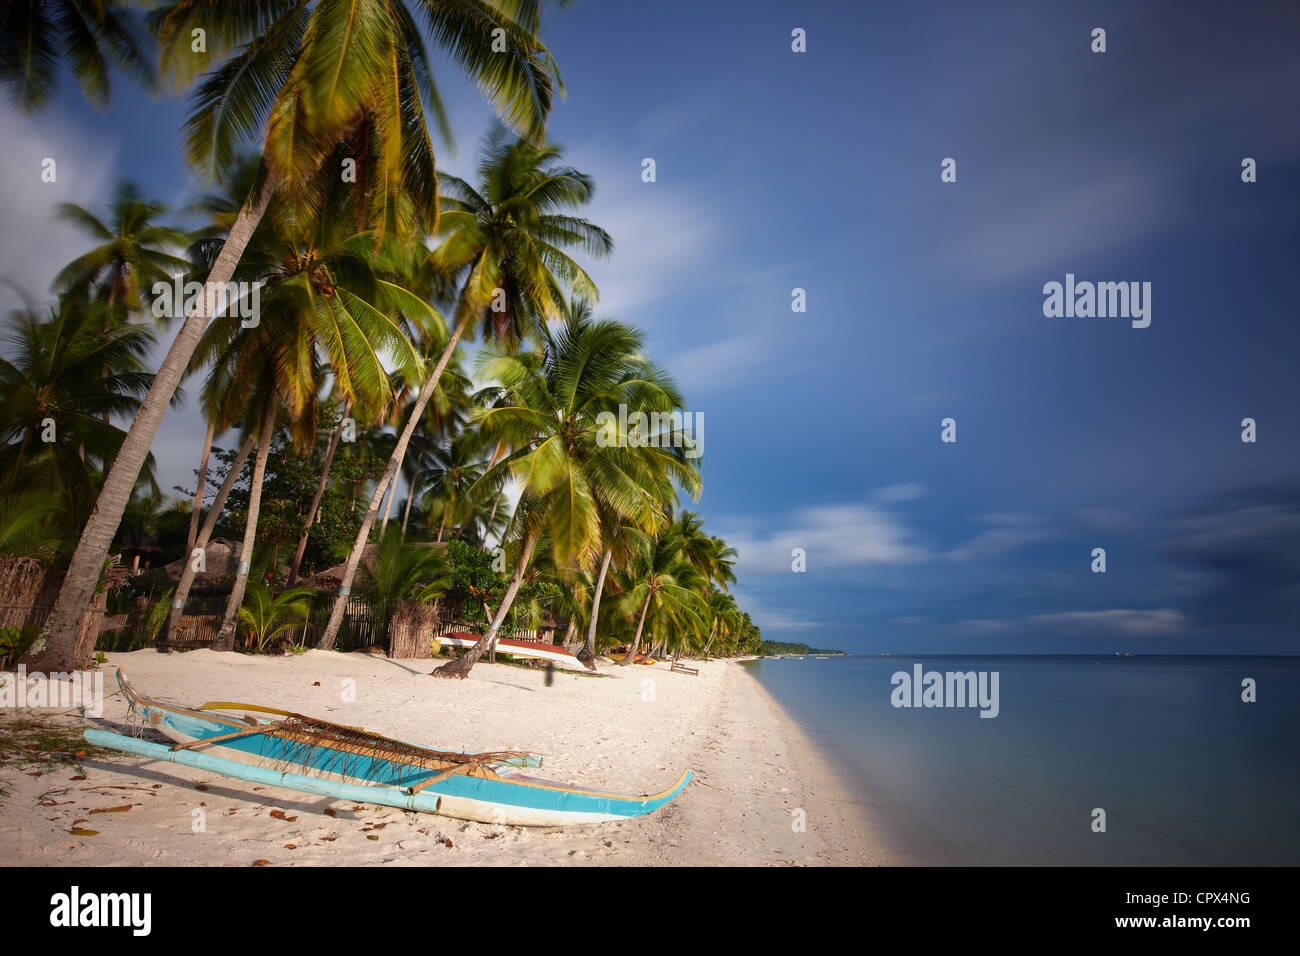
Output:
(665, 587)
(569, 474)
(322, 301)
(132, 254)
(32, 526)
(330, 448)
(266, 616)
(204, 536)
(405, 573)
(38, 36)
(314, 83)
(507, 243)
(724, 618)
(68, 375)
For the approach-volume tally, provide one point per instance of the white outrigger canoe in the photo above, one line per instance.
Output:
(516, 647)
(314, 756)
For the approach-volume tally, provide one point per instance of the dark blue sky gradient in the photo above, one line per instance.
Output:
(820, 171)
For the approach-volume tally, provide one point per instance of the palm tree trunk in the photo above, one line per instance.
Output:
(368, 522)
(588, 653)
(406, 513)
(198, 492)
(53, 648)
(713, 630)
(205, 534)
(461, 666)
(229, 623)
(392, 494)
(639, 624)
(320, 493)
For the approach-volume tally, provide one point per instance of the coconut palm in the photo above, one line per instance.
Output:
(568, 471)
(724, 618)
(201, 540)
(66, 376)
(331, 446)
(38, 36)
(32, 525)
(134, 250)
(323, 308)
(664, 589)
(507, 242)
(414, 573)
(313, 84)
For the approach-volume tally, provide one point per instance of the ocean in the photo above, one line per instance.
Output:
(1185, 772)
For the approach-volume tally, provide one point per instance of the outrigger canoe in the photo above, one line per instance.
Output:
(517, 648)
(314, 756)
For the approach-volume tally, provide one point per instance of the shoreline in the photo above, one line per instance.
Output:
(628, 729)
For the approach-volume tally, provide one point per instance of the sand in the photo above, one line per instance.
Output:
(630, 729)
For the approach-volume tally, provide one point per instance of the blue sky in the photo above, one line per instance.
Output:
(820, 170)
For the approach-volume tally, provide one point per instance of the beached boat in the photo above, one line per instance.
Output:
(640, 658)
(314, 756)
(518, 648)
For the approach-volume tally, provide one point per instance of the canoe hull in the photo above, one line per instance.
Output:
(504, 796)
(516, 648)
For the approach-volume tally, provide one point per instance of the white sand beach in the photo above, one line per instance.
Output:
(630, 729)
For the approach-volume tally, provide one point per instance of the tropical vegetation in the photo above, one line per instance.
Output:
(410, 405)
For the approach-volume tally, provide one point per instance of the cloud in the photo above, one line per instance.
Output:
(770, 618)
(854, 535)
(892, 494)
(662, 235)
(833, 536)
(34, 246)
(1020, 232)
(1006, 532)
(1246, 545)
(719, 364)
(1126, 621)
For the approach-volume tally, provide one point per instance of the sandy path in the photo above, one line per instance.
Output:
(631, 730)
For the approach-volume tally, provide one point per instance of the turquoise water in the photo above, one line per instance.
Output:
(1186, 772)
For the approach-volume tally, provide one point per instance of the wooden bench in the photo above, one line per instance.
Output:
(682, 668)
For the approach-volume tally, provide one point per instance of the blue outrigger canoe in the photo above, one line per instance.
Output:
(314, 756)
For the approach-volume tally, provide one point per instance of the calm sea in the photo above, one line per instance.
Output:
(1187, 773)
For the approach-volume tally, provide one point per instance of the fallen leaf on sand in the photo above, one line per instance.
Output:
(111, 809)
(261, 863)
(78, 831)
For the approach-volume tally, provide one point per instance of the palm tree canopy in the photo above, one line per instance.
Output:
(134, 250)
(505, 240)
(317, 82)
(38, 36)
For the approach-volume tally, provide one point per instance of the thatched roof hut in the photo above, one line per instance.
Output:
(331, 578)
(221, 557)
